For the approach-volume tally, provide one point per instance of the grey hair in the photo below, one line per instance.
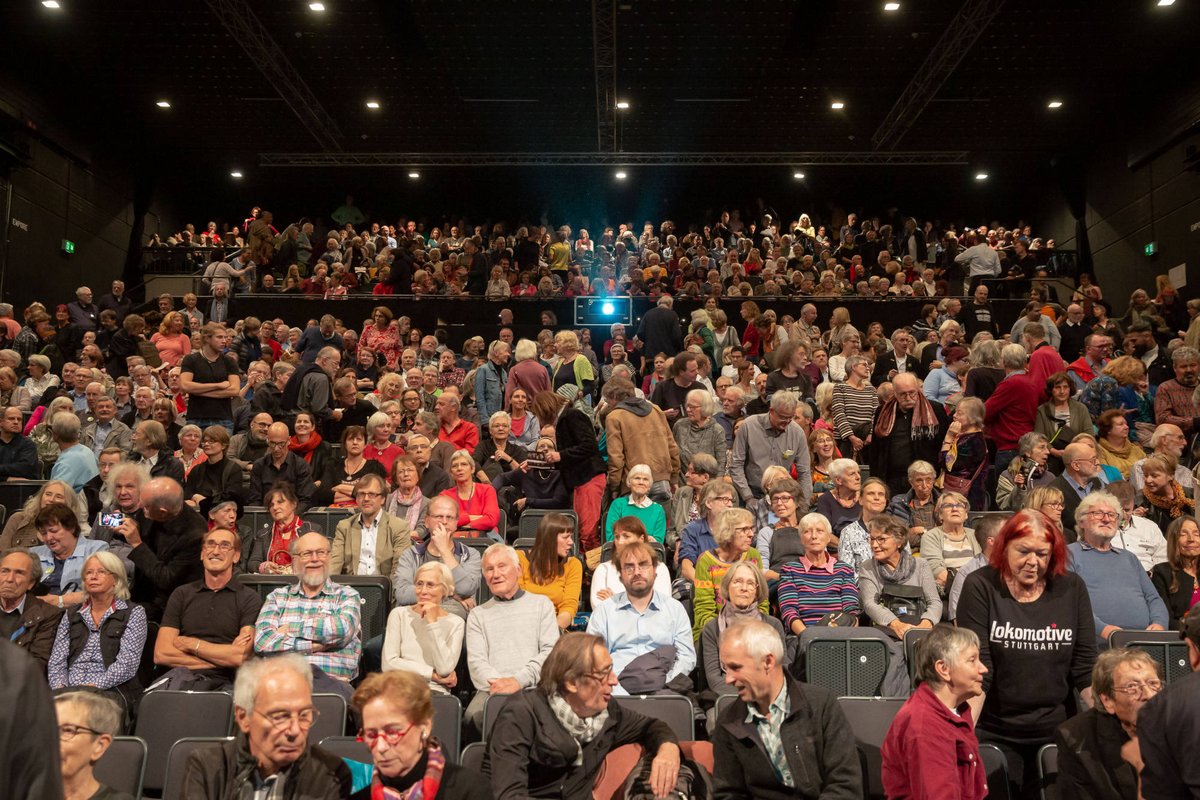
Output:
(1094, 499)
(500, 416)
(815, 518)
(375, 420)
(839, 467)
(35, 570)
(252, 673)
(706, 400)
(920, 468)
(101, 712)
(1014, 356)
(495, 346)
(759, 639)
(784, 403)
(1185, 352)
(445, 578)
(502, 549)
(639, 469)
(65, 427)
(115, 567)
(525, 349)
(1030, 440)
(705, 463)
(944, 643)
(854, 361)
(986, 354)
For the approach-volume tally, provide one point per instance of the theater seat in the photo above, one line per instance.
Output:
(1048, 771)
(123, 766)
(176, 762)
(165, 717)
(870, 718)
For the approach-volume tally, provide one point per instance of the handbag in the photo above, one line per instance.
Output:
(906, 602)
(954, 483)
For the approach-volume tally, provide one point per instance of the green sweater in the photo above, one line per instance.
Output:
(652, 516)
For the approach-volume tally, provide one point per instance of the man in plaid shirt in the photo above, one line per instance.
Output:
(316, 617)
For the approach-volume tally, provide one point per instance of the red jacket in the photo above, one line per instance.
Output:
(1011, 410)
(930, 753)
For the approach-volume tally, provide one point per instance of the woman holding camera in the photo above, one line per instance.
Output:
(1025, 473)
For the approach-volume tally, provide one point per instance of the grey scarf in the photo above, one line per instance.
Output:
(580, 729)
(903, 571)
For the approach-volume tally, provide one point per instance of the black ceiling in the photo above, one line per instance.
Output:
(509, 76)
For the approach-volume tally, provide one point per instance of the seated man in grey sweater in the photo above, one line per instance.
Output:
(508, 637)
(441, 518)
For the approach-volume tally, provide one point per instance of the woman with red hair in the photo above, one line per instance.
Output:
(1037, 639)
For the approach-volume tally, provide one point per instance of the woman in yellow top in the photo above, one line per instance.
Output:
(551, 570)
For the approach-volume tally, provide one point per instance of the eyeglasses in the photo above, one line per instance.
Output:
(880, 540)
(782, 498)
(1055, 504)
(744, 529)
(1103, 514)
(391, 734)
(644, 566)
(68, 732)
(721, 500)
(1139, 687)
(305, 555)
(954, 506)
(280, 720)
(369, 494)
(1092, 460)
(222, 547)
(601, 676)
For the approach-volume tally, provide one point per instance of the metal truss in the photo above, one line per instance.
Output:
(944, 57)
(604, 52)
(252, 35)
(795, 159)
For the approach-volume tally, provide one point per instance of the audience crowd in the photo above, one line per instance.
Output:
(713, 495)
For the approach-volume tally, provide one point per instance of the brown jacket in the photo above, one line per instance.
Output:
(39, 626)
(638, 433)
(392, 539)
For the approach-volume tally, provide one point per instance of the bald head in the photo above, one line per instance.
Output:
(162, 499)
(1080, 459)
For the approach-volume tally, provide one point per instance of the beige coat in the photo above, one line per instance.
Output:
(393, 538)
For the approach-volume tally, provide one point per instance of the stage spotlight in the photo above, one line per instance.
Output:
(163, 104)
(52, 4)
(891, 6)
(1166, 2)
(837, 105)
(623, 104)
(798, 176)
(981, 176)
(316, 6)
(1054, 104)
(621, 176)
(414, 175)
(235, 174)
(373, 104)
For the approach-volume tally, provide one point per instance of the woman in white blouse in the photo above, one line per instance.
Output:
(424, 638)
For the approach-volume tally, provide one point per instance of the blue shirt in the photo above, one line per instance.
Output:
(70, 576)
(630, 634)
(75, 467)
(695, 539)
(1120, 591)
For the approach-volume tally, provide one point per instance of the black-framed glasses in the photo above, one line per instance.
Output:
(1140, 687)
(68, 732)
(390, 734)
(305, 718)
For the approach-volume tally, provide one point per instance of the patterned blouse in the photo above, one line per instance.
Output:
(88, 667)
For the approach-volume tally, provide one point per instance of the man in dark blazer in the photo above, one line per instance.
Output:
(890, 456)
(950, 333)
(24, 619)
(888, 366)
(1080, 468)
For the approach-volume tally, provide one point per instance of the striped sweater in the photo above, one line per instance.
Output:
(808, 594)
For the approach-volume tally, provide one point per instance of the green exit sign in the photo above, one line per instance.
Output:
(68, 246)
(1151, 248)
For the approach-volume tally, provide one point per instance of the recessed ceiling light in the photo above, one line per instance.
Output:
(798, 176)
(235, 174)
(891, 6)
(1166, 2)
(981, 176)
(1054, 104)
(51, 4)
(372, 104)
(414, 175)
(316, 6)
(837, 105)
(622, 104)
(163, 104)
(621, 176)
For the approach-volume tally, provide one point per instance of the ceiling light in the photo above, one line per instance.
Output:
(622, 104)
(316, 6)
(235, 174)
(51, 4)
(981, 176)
(1166, 2)
(891, 6)
(1054, 104)
(837, 105)
(414, 175)
(163, 104)
(372, 104)
(798, 176)
(621, 176)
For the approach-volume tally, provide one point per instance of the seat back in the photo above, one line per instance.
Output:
(1166, 647)
(447, 724)
(255, 517)
(13, 494)
(996, 766)
(1048, 770)
(123, 765)
(331, 716)
(327, 519)
(376, 594)
(347, 747)
(674, 709)
(911, 638)
(870, 718)
(847, 667)
(606, 551)
(472, 757)
(491, 710)
(531, 517)
(3, 516)
(265, 584)
(723, 700)
(166, 716)
(175, 763)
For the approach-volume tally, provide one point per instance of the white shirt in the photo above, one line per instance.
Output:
(1145, 540)
(366, 550)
